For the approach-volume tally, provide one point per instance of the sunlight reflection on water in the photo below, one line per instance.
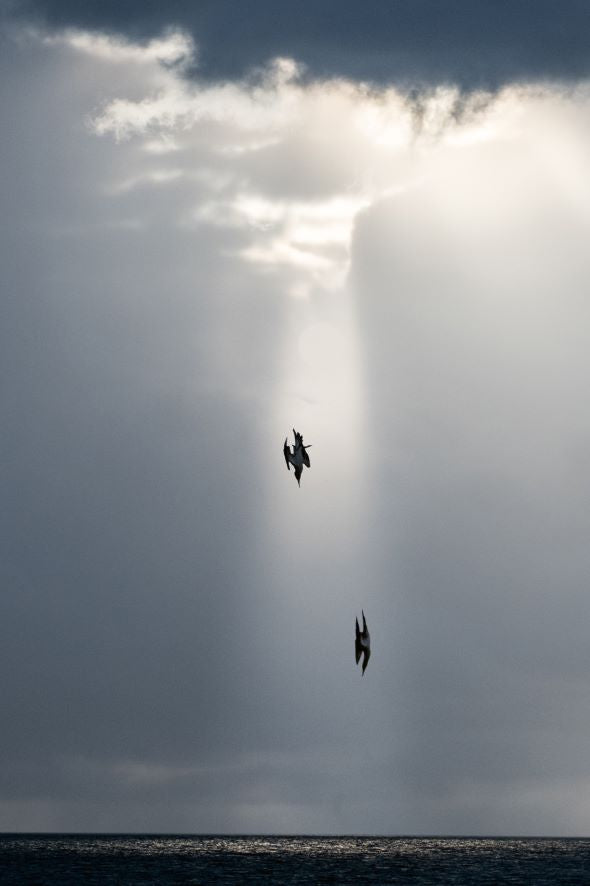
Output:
(107, 859)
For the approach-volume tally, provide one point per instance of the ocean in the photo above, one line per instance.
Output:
(132, 859)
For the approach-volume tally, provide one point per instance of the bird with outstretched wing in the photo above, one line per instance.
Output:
(297, 455)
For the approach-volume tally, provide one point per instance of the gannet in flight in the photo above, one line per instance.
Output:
(298, 457)
(362, 644)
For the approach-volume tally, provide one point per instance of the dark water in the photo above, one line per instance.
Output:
(66, 859)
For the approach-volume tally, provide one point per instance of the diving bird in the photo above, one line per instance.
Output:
(362, 645)
(298, 457)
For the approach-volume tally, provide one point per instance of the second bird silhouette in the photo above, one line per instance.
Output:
(362, 645)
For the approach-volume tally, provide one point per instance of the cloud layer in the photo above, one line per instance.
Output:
(191, 269)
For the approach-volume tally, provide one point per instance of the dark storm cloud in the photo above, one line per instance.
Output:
(411, 42)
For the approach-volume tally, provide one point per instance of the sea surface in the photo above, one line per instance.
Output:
(130, 859)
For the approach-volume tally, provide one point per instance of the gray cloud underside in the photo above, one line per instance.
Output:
(409, 42)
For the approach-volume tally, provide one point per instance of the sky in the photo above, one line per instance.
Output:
(370, 224)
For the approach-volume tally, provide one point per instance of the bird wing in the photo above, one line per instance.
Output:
(367, 656)
(357, 643)
(287, 454)
(364, 623)
(306, 457)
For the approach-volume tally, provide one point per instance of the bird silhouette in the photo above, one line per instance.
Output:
(362, 645)
(298, 457)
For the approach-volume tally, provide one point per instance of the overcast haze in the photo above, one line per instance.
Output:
(206, 243)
